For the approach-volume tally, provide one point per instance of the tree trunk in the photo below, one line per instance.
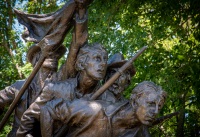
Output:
(181, 118)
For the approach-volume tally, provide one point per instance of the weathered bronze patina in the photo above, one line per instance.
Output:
(105, 119)
(84, 97)
(46, 72)
(91, 65)
(114, 92)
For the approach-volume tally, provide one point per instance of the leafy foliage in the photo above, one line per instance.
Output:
(170, 29)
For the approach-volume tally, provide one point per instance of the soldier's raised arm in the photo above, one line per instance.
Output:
(79, 38)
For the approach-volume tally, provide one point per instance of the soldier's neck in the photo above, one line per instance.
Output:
(44, 74)
(86, 83)
(125, 118)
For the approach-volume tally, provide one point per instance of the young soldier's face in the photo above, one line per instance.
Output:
(96, 65)
(148, 106)
(51, 63)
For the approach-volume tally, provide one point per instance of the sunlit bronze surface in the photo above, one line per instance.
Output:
(99, 118)
(82, 86)
(8, 94)
(67, 102)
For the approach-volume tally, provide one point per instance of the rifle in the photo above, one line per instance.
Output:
(163, 118)
(21, 92)
(117, 74)
(46, 46)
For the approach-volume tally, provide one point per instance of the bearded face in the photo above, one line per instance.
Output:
(121, 83)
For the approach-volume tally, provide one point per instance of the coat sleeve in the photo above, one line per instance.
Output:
(8, 94)
(32, 114)
(55, 110)
(79, 38)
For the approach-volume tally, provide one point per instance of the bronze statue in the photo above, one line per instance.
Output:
(91, 65)
(36, 28)
(68, 102)
(8, 94)
(49, 30)
(99, 118)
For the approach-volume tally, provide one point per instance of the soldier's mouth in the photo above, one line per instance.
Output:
(50, 60)
(115, 85)
(100, 71)
(150, 119)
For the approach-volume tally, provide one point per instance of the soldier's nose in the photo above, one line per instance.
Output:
(156, 109)
(103, 65)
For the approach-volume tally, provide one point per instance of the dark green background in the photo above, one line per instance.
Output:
(170, 29)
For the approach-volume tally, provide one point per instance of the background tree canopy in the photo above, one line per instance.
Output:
(170, 29)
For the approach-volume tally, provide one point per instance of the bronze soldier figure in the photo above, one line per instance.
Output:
(91, 65)
(8, 94)
(105, 119)
(80, 36)
(63, 102)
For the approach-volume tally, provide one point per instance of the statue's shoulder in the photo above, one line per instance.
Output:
(72, 82)
(61, 89)
(108, 96)
(113, 108)
(18, 84)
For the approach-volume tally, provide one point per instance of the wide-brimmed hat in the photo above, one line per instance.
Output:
(34, 49)
(117, 61)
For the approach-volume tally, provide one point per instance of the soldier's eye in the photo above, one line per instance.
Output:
(105, 58)
(151, 104)
(112, 72)
(98, 58)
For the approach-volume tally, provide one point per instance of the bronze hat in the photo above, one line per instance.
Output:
(34, 49)
(117, 61)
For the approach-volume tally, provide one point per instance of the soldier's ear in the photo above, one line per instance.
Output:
(139, 95)
(135, 98)
(80, 63)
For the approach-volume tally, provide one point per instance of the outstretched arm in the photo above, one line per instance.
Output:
(8, 94)
(55, 110)
(32, 114)
(79, 38)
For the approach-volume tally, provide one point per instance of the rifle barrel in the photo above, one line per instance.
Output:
(163, 118)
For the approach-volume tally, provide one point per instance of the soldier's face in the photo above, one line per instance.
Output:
(148, 107)
(96, 65)
(50, 64)
(121, 83)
